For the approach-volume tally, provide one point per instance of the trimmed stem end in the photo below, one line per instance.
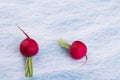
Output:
(63, 44)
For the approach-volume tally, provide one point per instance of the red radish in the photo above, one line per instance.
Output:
(77, 50)
(28, 48)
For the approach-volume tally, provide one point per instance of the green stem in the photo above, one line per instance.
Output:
(63, 44)
(29, 67)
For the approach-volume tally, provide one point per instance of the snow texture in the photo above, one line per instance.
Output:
(95, 22)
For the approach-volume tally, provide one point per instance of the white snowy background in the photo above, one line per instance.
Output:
(95, 22)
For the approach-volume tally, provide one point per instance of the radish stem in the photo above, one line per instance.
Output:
(63, 44)
(29, 67)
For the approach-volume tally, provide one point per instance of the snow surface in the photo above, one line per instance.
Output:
(95, 22)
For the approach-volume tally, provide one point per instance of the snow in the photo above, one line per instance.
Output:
(95, 22)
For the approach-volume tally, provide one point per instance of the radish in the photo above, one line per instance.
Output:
(28, 48)
(77, 50)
